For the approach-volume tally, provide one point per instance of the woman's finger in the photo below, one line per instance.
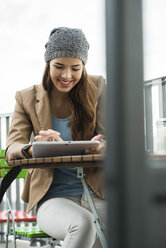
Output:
(48, 135)
(39, 138)
(98, 149)
(48, 132)
(57, 138)
(98, 137)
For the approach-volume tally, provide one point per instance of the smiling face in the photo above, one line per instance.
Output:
(65, 73)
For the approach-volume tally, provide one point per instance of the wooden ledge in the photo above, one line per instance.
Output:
(156, 157)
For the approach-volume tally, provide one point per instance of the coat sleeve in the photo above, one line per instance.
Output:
(20, 131)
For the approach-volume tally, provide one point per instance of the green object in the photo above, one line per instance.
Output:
(30, 232)
(5, 167)
(3, 172)
(3, 163)
(2, 153)
(22, 173)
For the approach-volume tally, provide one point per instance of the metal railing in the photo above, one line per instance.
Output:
(154, 109)
(5, 120)
(15, 190)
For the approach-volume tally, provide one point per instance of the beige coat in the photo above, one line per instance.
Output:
(32, 114)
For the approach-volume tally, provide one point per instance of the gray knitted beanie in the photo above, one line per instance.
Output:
(67, 42)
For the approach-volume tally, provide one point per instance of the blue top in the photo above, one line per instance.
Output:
(65, 181)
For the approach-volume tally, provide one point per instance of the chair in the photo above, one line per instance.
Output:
(12, 217)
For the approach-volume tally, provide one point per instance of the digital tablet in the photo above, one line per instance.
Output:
(61, 148)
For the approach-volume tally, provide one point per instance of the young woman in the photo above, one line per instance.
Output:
(68, 105)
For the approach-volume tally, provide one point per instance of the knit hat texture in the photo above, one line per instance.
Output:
(67, 42)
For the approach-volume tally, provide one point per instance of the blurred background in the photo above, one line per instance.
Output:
(25, 28)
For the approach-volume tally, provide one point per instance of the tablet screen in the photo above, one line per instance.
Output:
(61, 148)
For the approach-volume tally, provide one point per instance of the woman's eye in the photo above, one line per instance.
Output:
(59, 67)
(74, 69)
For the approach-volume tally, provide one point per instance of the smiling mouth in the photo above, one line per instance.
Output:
(65, 83)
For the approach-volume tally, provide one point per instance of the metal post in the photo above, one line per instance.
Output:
(125, 172)
(98, 224)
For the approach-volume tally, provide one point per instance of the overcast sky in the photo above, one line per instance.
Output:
(25, 27)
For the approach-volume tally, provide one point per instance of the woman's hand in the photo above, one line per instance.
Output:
(48, 135)
(100, 148)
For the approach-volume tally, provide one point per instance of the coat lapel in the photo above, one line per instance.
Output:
(43, 108)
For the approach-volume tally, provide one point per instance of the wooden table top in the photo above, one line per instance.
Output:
(94, 160)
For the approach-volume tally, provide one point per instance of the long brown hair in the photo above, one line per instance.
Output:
(83, 97)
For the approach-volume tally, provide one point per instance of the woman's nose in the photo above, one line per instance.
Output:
(67, 74)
